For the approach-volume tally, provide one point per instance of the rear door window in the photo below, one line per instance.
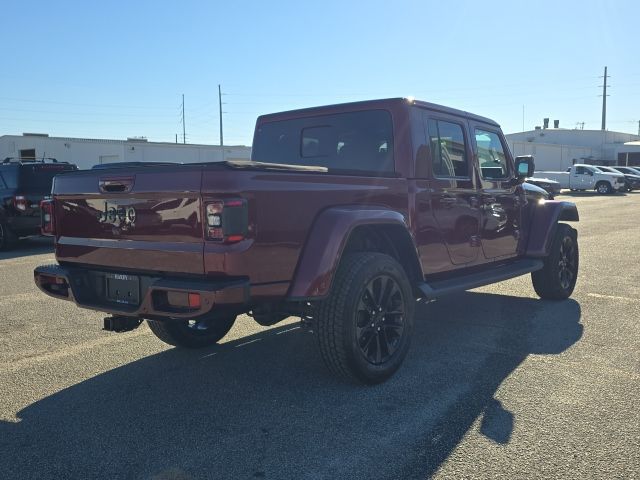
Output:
(448, 150)
(352, 142)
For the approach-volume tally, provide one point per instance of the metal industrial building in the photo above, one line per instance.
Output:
(559, 148)
(86, 152)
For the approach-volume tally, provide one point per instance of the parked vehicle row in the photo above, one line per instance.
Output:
(581, 177)
(631, 178)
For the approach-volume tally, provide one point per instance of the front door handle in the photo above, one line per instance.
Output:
(448, 201)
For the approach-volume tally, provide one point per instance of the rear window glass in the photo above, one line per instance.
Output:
(357, 142)
(40, 177)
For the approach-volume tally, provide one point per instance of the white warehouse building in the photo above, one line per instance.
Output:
(559, 148)
(86, 152)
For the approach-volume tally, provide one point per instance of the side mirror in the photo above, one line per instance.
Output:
(525, 167)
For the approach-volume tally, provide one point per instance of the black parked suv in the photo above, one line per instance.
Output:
(23, 184)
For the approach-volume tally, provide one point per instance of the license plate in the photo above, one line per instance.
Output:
(124, 289)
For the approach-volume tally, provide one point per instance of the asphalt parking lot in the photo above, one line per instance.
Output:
(498, 384)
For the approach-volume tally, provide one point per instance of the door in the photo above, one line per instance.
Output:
(500, 196)
(580, 178)
(453, 193)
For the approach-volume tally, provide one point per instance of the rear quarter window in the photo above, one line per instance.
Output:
(40, 177)
(351, 142)
(9, 177)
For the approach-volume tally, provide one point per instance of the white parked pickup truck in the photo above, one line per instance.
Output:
(586, 177)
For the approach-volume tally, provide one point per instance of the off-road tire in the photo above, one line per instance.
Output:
(179, 334)
(338, 318)
(603, 188)
(8, 239)
(548, 282)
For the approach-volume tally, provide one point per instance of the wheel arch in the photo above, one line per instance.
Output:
(544, 222)
(341, 230)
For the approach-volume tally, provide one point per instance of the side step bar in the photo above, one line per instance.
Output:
(473, 280)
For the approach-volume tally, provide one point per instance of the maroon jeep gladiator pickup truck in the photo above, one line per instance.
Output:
(346, 216)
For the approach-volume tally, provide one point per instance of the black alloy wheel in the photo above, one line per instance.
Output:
(567, 264)
(557, 278)
(380, 319)
(364, 327)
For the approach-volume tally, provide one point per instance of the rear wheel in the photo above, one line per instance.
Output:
(192, 333)
(365, 325)
(603, 188)
(7, 237)
(557, 279)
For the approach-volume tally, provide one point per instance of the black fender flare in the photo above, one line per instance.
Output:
(327, 240)
(544, 221)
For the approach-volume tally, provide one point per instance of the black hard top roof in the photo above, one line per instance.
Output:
(366, 104)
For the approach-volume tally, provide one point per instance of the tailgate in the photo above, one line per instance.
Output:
(147, 219)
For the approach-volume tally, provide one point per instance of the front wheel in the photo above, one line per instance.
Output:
(192, 333)
(557, 279)
(365, 325)
(603, 188)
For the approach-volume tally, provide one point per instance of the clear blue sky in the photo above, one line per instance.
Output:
(116, 69)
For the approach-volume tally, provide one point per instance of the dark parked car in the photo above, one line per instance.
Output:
(631, 181)
(23, 184)
(629, 171)
(535, 193)
(345, 216)
(550, 186)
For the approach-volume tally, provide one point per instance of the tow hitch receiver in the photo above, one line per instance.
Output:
(121, 323)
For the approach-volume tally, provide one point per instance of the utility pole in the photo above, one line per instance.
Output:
(220, 109)
(523, 118)
(604, 100)
(638, 127)
(184, 130)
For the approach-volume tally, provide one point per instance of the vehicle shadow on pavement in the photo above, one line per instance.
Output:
(263, 406)
(27, 247)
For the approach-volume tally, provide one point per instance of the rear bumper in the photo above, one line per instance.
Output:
(87, 289)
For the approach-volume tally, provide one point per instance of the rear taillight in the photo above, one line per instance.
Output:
(47, 222)
(226, 220)
(20, 202)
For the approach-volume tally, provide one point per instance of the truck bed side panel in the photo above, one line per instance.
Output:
(282, 209)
